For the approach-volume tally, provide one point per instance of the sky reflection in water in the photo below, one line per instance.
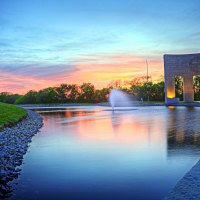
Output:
(94, 153)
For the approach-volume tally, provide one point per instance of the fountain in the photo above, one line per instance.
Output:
(118, 98)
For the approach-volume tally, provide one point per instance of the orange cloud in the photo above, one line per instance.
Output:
(122, 67)
(99, 70)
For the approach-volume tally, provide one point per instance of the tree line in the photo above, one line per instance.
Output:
(138, 88)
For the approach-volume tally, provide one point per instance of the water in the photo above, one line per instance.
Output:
(93, 153)
(119, 98)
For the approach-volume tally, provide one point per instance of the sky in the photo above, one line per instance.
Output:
(45, 43)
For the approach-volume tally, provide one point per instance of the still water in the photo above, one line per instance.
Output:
(94, 153)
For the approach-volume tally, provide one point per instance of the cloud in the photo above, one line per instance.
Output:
(24, 77)
(73, 41)
(14, 82)
(101, 69)
(114, 59)
(39, 71)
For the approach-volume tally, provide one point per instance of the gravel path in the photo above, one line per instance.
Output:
(13, 145)
(188, 188)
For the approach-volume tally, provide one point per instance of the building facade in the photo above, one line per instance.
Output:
(186, 66)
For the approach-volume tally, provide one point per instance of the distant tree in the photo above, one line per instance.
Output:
(148, 90)
(138, 81)
(179, 87)
(8, 97)
(73, 92)
(157, 91)
(19, 100)
(117, 84)
(68, 93)
(101, 95)
(87, 93)
(61, 93)
(47, 95)
(28, 98)
(196, 88)
(104, 94)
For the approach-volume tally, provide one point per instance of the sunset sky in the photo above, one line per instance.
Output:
(47, 42)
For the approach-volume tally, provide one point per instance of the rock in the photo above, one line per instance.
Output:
(13, 145)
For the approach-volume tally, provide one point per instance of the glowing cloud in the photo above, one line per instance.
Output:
(53, 42)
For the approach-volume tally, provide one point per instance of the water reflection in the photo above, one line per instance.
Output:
(139, 127)
(94, 153)
(183, 130)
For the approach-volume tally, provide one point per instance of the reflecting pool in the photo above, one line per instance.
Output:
(94, 153)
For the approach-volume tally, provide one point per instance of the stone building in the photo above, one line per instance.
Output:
(186, 66)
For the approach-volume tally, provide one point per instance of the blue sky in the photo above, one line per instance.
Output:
(47, 42)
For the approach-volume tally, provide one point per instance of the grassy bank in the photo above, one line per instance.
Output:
(10, 114)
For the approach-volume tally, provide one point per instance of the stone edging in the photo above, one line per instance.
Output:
(188, 188)
(13, 145)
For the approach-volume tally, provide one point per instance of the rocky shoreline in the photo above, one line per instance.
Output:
(13, 145)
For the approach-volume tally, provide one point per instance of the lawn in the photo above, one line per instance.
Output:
(10, 114)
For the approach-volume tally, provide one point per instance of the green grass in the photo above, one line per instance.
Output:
(10, 114)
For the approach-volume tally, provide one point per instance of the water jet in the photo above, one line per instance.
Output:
(118, 98)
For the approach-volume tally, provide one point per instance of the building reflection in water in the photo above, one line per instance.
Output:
(183, 130)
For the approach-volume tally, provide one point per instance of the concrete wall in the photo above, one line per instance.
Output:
(187, 66)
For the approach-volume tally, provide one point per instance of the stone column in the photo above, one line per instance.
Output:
(188, 91)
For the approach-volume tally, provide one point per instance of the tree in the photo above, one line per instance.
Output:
(101, 95)
(117, 84)
(179, 87)
(87, 93)
(8, 97)
(47, 95)
(197, 88)
(148, 91)
(157, 91)
(61, 93)
(28, 98)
